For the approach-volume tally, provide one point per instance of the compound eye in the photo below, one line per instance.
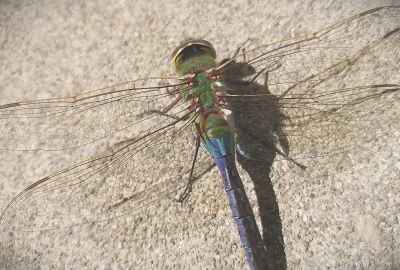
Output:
(191, 48)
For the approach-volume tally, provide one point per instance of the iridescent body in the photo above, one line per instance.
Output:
(198, 59)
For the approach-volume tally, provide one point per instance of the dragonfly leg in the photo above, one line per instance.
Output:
(268, 146)
(185, 194)
(176, 101)
(226, 62)
(165, 111)
(266, 82)
(264, 71)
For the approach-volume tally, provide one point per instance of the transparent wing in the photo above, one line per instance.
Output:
(125, 179)
(324, 54)
(318, 95)
(62, 123)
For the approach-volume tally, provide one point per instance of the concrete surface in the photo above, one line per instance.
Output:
(348, 219)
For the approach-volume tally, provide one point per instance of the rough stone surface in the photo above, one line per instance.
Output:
(347, 218)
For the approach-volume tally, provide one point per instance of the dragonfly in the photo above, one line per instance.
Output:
(263, 100)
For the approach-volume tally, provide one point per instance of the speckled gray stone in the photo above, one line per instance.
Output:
(341, 217)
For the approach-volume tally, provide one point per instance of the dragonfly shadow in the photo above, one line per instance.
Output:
(264, 122)
(259, 138)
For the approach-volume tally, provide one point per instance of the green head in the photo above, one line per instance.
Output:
(193, 54)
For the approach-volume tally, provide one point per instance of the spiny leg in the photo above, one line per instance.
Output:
(269, 146)
(184, 195)
(173, 103)
(165, 111)
(226, 62)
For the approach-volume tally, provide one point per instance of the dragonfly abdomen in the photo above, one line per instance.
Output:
(243, 214)
(218, 138)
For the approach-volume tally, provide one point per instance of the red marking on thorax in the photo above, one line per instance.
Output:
(191, 81)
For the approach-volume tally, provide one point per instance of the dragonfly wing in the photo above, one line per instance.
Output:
(62, 123)
(321, 94)
(352, 44)
(114, 183)
(330, 123)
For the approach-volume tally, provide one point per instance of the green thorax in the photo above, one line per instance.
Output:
(204, 91)
(214, 124)
(203, 88)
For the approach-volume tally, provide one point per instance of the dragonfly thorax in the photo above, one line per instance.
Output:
(203, 91)
(216, 134)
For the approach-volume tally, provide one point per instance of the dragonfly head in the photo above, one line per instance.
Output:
(192, 54)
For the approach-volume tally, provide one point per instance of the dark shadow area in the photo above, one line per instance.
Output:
(259, 118)
(258, 132)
